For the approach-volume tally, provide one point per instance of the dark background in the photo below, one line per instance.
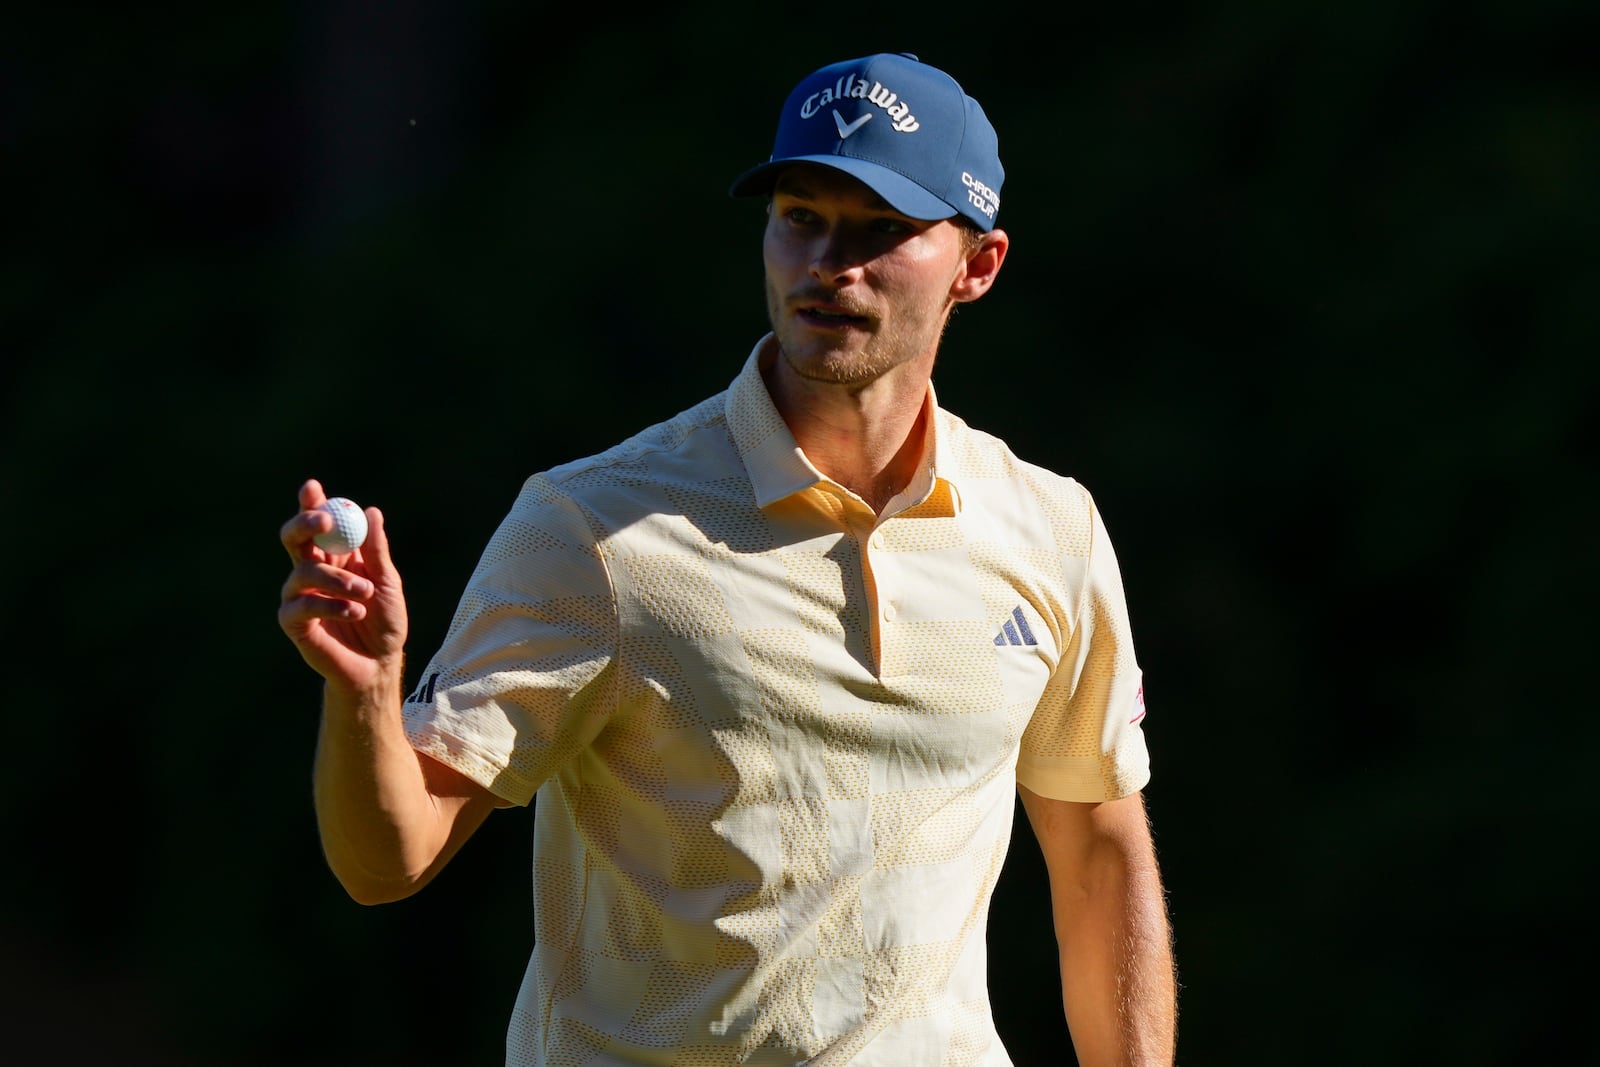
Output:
(1304, 293)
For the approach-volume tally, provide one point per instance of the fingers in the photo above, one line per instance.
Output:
(312, 495)
(297, 534)
(317, 590)
(324, 585)
(374, 552)
(329, 614)
(345, 612)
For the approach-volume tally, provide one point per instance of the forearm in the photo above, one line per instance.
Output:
(381, 828)
(1118, 985)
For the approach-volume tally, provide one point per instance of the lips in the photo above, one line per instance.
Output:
(830, 315)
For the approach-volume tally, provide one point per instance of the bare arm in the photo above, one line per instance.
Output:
(389, 818)
(1118, 985)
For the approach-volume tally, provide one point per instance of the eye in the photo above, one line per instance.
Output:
(798, 216)
(893, 225)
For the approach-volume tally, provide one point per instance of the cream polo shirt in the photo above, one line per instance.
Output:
(775, 741)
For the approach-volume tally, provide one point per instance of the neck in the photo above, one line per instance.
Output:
(867, 436)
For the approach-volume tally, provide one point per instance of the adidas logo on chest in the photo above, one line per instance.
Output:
(1016, 632)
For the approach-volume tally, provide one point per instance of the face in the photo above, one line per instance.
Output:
(854, 288)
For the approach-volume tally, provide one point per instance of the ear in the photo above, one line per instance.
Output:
(982, 265)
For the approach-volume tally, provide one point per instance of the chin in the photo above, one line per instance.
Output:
(839, 367)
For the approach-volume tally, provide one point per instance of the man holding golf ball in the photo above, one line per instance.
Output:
(776, 668)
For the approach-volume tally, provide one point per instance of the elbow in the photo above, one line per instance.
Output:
(369, 887)
(371, 896)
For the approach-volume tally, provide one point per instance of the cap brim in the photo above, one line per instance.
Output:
(901, 193)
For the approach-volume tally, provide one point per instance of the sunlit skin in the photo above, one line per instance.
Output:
(858, 296)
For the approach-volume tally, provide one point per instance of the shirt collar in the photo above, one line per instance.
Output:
(777, 466)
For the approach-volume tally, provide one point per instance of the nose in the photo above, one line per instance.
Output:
(834, 260)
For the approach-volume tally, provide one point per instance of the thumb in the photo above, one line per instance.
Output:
(375, 556)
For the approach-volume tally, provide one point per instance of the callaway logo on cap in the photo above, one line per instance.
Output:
(904, 128)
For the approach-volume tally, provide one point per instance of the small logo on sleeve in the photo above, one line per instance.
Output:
(424, 692)
(1138, 706)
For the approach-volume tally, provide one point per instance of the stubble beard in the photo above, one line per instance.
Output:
(859, 357)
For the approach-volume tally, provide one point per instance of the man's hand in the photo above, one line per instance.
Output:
(345, 613)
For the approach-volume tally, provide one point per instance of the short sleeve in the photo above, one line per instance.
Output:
(521, 682)
(1085, 741)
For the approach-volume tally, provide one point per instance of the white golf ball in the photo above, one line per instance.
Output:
(349, 527)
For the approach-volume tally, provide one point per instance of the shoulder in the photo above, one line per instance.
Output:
(674, 459)
(984, 464)
(688, 430)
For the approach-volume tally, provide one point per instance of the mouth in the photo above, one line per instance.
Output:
(831, 316)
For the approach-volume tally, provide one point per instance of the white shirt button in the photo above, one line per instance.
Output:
(889, 613)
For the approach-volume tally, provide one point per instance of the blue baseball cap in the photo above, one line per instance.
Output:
(906, 129)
